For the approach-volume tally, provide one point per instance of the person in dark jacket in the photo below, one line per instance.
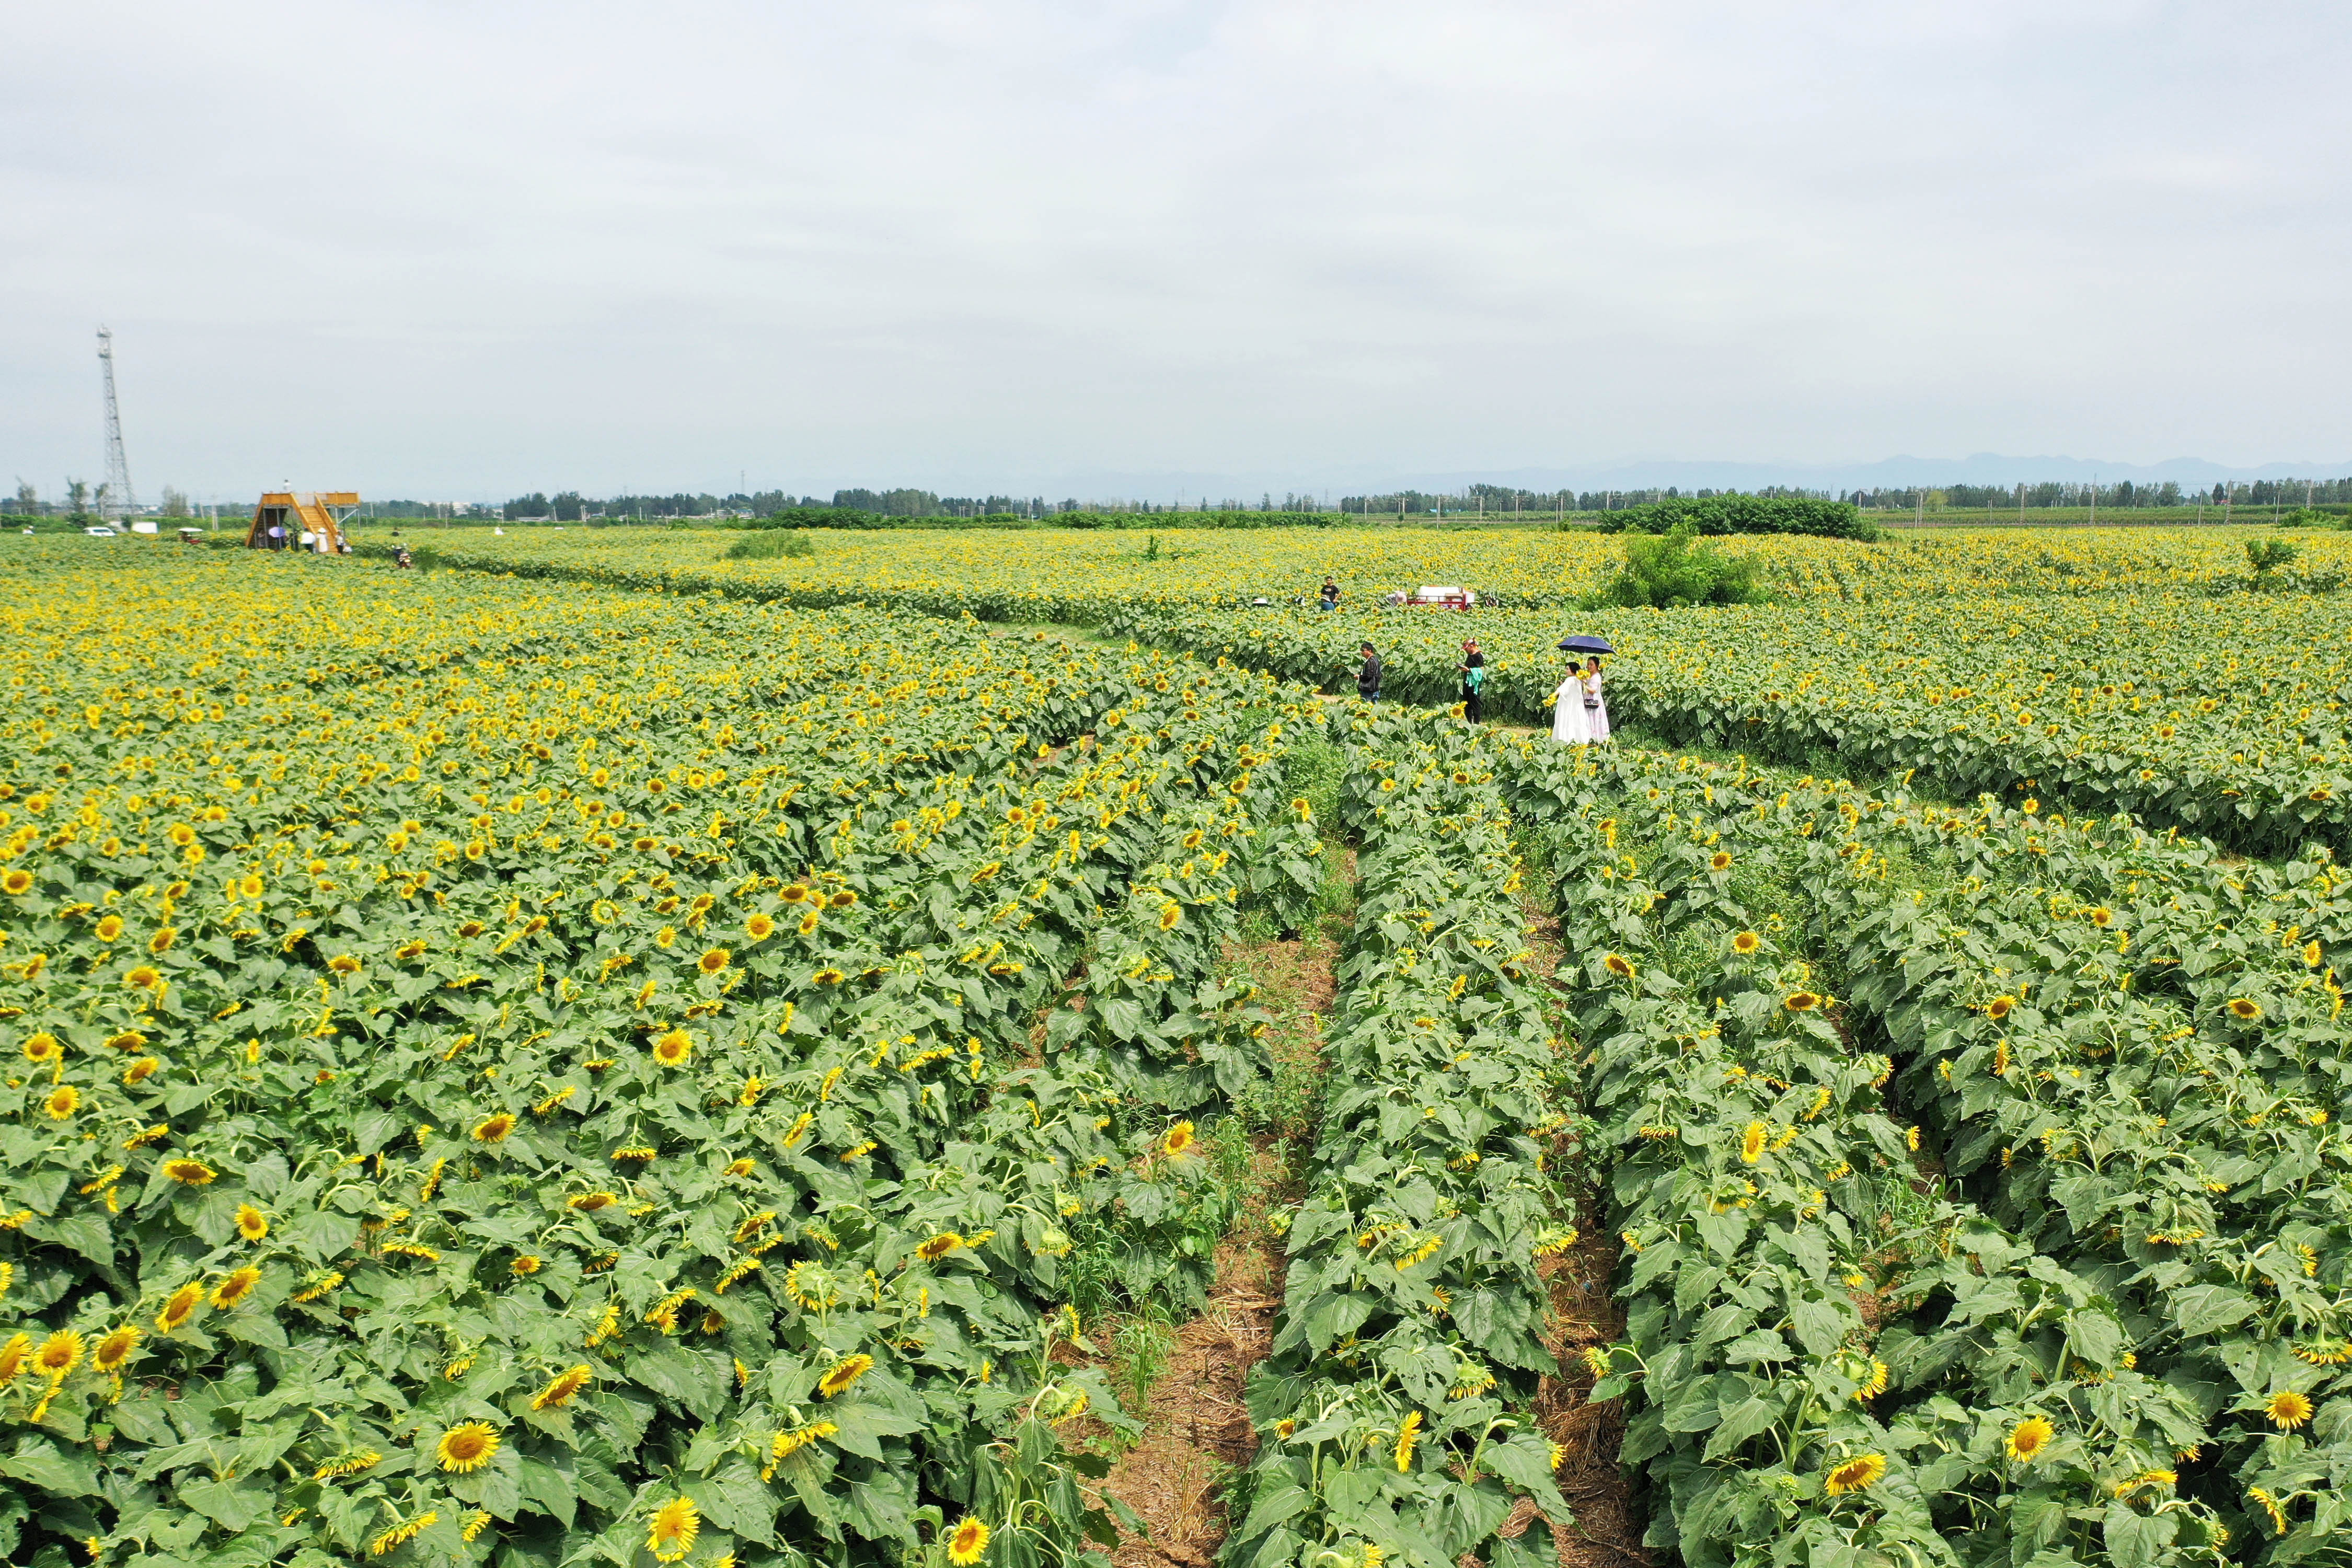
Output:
(1330, 597)
(1473, 681)
(1368, 679)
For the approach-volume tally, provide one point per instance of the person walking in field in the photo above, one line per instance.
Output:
(1368, 677)
(1473, 681)
(1329, 599)
(1570, 726)
(1596, 705)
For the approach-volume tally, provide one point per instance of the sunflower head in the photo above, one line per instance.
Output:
(179, 1307)
(672, 1047)
(1619, 965)
(1746, 943)
(236, 1287)
(1719, 861)
(558, 1391)
(2288, 1409)
(1178, 1141)
(62, 1101)
(2000, 1007)
(466, 1446)
(712, 961)
(115, 1347)
(2245, 1008)
(251, 1223)
(2028, 1437)
(675, 1525)
(1801, 1001)
(968, 1542)
(42, 1047)
(759, 928)
(1751, 1143)
(189, 1172)
(58, 1354)
(845, 1373)
(1857, 1474)
(493, 1128)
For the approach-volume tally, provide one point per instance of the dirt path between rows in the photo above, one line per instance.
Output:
(1197, 1432)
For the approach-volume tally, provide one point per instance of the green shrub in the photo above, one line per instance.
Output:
(1669, 571)
(768, 546)
(1745, 514)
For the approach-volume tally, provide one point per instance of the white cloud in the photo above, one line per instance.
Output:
(437, 248)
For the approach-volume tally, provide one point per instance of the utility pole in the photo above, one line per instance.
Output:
(118, 500)
(2094, 500)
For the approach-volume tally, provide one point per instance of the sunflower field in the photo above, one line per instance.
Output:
(546, 1075)
(615, 1053)
(1084, 577)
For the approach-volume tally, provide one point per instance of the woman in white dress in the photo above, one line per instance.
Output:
(1596, 706)
(1570, 725)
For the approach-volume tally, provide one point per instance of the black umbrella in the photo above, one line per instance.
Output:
(1586, 644)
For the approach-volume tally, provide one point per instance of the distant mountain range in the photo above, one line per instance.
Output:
(1657, 473)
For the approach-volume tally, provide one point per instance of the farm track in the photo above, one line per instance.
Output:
(1197, 1431)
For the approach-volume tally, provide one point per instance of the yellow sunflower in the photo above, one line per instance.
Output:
(672, 1047)
(236, 1287)
(2288, 1409)
(712, 961)
(189, 1172)
(558, 1391)
(58, 1354)
(115, 1347)
(845, 1373)
(968, 1543)
(1746, 943)
(675, 1525)
(179, 1307)
(1856, 1474)
(251, 1223)
(468, 1446)
(493, 1128)
(2028, 1437)
(1619, 965)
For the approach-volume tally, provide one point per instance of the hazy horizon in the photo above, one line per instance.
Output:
(1154, 248)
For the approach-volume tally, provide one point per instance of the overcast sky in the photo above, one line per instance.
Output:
(471, 249)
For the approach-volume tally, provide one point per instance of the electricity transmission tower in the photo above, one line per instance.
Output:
(118, 501)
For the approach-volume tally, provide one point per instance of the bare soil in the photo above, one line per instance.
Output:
(1197, 1432)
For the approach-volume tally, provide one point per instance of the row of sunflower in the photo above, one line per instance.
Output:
(1083, 576)
(1394, 1414)
(2226, 716)
(2134, 1054)
(2074, 1360)
(553, 1090)
(1822, 1361)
